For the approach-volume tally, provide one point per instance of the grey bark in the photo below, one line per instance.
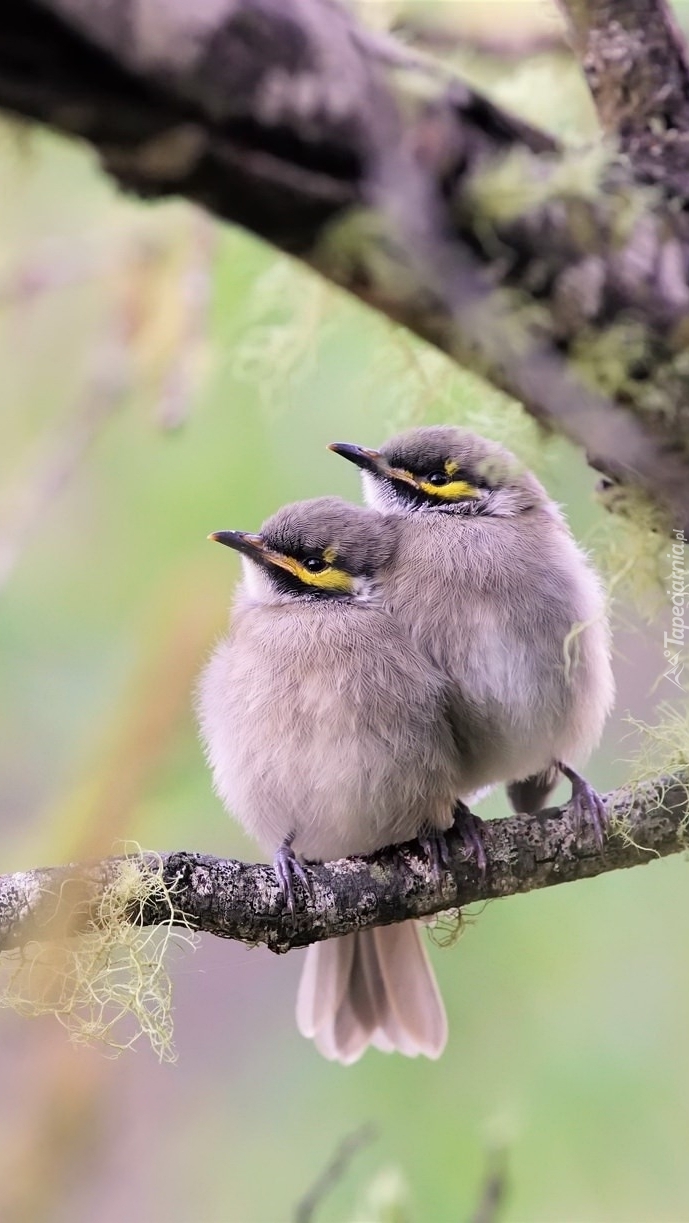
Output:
(635, 60)
(564, 283)
(238, 901)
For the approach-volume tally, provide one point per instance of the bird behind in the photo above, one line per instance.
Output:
(490, 584)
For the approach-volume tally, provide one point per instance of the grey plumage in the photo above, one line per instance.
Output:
(328, 734)
(490, 584)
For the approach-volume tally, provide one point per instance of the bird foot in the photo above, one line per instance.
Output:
(434, 845)
(288, 868)
(587, 805)
(471, 829)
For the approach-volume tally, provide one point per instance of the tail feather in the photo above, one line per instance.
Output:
(373, 988)
(346, 1038)
(323, 984)
(411, 991)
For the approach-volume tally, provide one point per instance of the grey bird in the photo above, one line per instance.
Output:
(490, 584)
(328, 734)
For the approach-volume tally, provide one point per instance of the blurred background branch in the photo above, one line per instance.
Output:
(635, 60)
(336, 1168)
(494, 1189)
(238, 901)
(554, 274)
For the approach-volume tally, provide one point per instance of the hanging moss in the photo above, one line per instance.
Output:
(108, 985)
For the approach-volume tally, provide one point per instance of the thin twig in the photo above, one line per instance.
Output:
(333, 1172)
(181, 380)
(59, 460)
(493, 1190)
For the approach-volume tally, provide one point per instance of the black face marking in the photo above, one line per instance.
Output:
(314, 554)
(413, 498)
(433, 469)
(289, 584)
(329, 534)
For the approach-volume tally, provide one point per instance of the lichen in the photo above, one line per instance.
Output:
(663, 751)
(603, 358)
(108, 985)
(631, 544)
(446, 928)
(510, 187)
(288, 312)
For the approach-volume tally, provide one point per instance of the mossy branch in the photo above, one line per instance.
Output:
(238, 901)
(635, 60)
(557, 275)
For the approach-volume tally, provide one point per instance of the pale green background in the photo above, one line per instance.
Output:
(568, 1009)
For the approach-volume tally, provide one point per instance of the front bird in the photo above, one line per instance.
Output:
(490, 584)
(328, 735)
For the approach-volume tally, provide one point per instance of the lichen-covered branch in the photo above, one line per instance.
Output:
(552, 273)
(635, 59)
(234, 900)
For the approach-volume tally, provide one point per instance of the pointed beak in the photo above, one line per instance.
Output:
(371, 460)
(253, 546)
(368, 460)
(248, 545)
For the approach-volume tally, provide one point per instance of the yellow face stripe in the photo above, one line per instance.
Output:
(328, 579)
(454, 491)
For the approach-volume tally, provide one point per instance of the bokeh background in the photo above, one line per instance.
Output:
(163, 377)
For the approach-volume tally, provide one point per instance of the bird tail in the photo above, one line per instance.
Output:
(372, 988)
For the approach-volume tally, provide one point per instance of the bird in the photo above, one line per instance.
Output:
(491, 585)
(328, 735)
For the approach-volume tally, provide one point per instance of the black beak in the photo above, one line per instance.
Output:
(254, 547)
(368, 460)
(372, 460)
(248, 545)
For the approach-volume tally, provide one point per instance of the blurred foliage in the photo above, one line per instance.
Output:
(163, 378)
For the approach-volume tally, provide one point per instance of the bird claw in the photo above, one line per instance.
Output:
(471, 829)
(434, 845)
(288, 867)
(587, 806)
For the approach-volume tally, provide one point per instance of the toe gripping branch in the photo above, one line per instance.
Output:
(288, 868)
(470, 828)
(588, 806)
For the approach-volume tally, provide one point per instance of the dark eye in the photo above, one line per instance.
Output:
(314, 564)
(438, 477)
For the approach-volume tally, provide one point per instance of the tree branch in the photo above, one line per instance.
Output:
(552, 274)
(635, 60)
(234, 900)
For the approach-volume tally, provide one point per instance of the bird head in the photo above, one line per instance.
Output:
(444, 468)
(320, 549)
